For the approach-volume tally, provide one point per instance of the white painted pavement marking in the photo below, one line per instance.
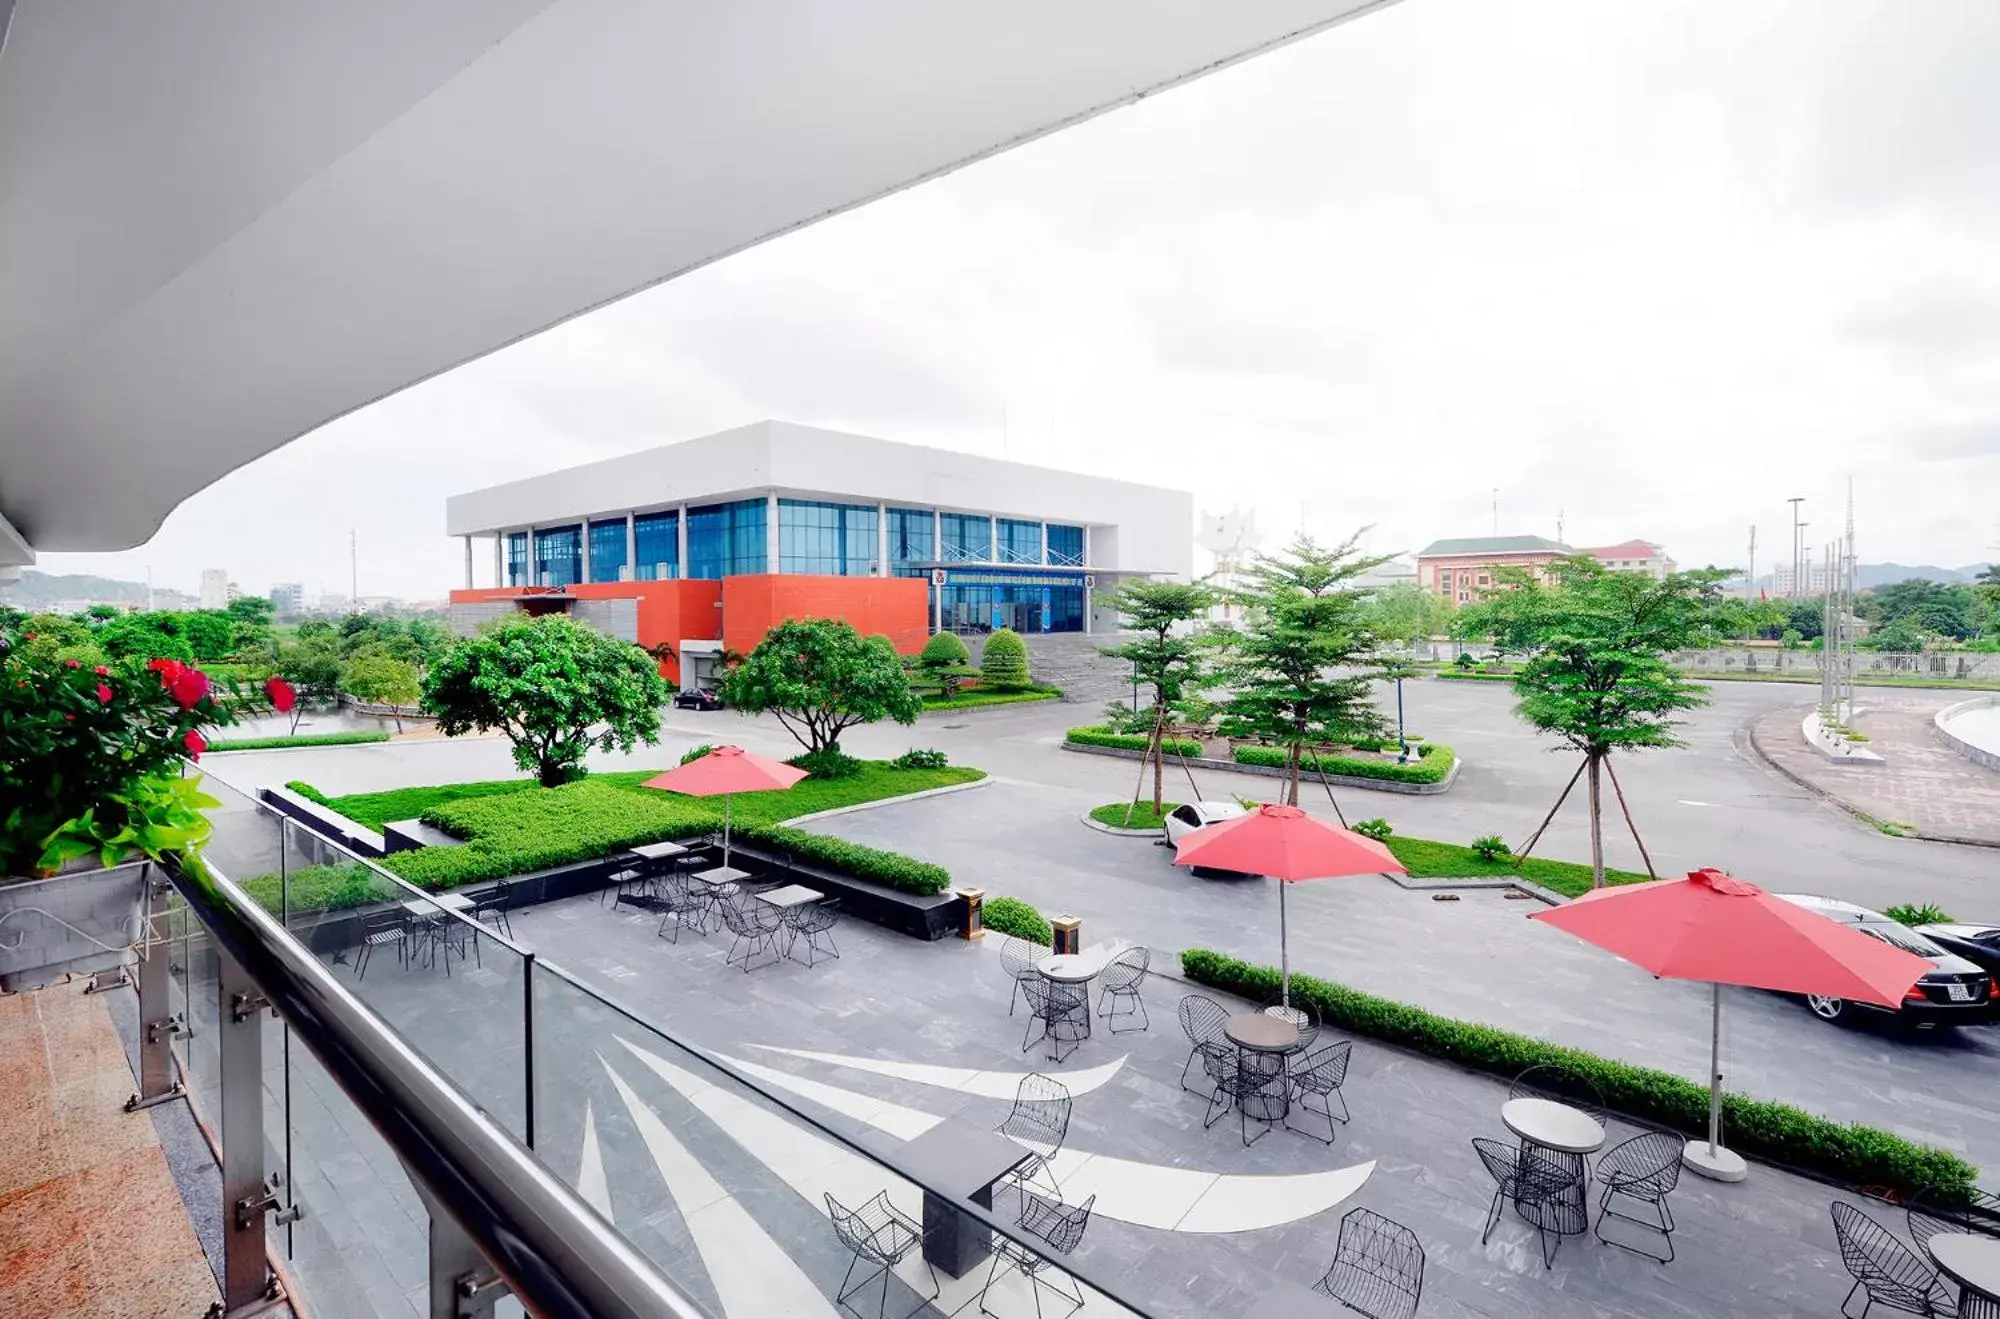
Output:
(989, 1085)
(907, 1123)
(753, 1275)
(590, 1180)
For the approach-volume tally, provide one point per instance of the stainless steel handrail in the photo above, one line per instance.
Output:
(556, 1253)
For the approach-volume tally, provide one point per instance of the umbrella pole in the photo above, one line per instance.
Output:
(728, 804)
(1284, 954)
(1710, 1158)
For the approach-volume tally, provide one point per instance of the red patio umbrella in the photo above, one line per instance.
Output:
(724, 772)
(1714, 928)
(1289, 846)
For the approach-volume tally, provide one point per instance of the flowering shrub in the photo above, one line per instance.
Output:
(91, 756)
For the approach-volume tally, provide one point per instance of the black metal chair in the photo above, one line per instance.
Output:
(1253, 1083)
(379, 930)
(879, 1234)
(1555, 1082)
(1885, 1270)
(1503, 1165)
(1642, 1171)
(1062, 1011)
(1021, 960)
(1378, 1267)
(1202, 1021)
(1120, 983)
(1932, 1211)
(1060, 1228)
(1302, 1015)
(630, 875)
(1320, 1072)
(1549, 1195)
(1040, 1121)
(814, 922)
(490, 907)
(756, 927)
(679, 906)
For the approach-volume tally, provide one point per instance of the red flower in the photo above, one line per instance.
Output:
(168, 671)
(195, 744)
(69, 718)
(188, 687)
(283, 698)
(101, 671)
(72, 664)
(103, 694)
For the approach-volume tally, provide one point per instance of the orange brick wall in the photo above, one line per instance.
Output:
(896, 607)
(669, 611)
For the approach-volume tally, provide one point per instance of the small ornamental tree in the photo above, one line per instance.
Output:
(1003, 666)
(379, 678)
(314, 669)
(554, 687)
(820, 677)
(943, 664)
(1165, 652)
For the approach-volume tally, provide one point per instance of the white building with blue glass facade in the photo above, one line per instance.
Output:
(1001, 543)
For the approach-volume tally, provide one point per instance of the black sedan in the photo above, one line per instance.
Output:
(1956, 992)
(1979, 944)
(697, 698)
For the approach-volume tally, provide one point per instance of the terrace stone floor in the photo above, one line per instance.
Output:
(724, 1189)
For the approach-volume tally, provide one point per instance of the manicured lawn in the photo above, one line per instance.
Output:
(375, 809)
(975, 698)
(302, 740)
(1126, 815)
(1432, 860)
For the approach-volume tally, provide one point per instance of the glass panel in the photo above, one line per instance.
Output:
(1066, 545)
(559, 555)
(912, 541)
(658, 545)
(517, 558)
(967, 536)
(726, 539)
(838, 540)
(607, 550)
(1020, 542)
(1032, 604)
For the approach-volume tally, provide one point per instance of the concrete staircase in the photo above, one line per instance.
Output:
(1070, 660)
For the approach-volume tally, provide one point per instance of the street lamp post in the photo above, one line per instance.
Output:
(1402, 743)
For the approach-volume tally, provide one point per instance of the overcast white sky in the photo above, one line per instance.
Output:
(1656, 267)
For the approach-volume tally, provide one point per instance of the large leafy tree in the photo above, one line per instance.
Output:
(820, 677)
(314, 668)
(1407, 613)
(553, 687)
(1596, 675)
(1165, 651)
(378, 677)
(1301, 668)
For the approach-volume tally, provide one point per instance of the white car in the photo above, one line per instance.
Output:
(1184, 820)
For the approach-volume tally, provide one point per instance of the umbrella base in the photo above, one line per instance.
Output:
(1719, 1164)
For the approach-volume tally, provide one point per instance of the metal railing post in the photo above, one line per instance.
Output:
(246, 1195)
(159, 1024)
(463, 1285)
(528, 1046)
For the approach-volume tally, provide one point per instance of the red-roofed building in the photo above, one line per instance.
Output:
(1633, 556)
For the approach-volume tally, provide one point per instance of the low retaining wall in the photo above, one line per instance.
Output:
(1278, 772)
(1835, 747)
(1976, 754)
(324, 821)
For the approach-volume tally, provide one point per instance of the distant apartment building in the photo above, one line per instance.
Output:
(288, 599)
(214, 588)
(1396, 572)
(1817, 578)
(1460, 569)
(1633, 556)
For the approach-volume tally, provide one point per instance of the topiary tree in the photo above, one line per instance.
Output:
(1004, 665)
(943, 664)
(820, 677)
(554, 687)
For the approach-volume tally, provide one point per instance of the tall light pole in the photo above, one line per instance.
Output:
(1797, 528)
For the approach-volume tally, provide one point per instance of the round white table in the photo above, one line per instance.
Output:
(1553, 1126)
(1973, 1262)
(1260, 1033)
(1069, 968)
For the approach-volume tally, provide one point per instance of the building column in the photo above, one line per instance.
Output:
(499, 558)
(534, 562)
(992, 539)
(881, 540)
(771, 532)
(1088, 562)
(681, 542)
(1045, 542)
(937, 536)
(583, 551)
(468, 561)
(631, 546)
(1087, 605)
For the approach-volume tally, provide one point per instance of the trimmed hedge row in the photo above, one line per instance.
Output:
(516, 832)
(302, 740)
(1433, 762)
(856, 859)
(1015, 917)
(969, 699)
(312, 794)
(1850, 1153)
(1099, 735)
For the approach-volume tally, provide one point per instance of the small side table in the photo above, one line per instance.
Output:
(956, 1161)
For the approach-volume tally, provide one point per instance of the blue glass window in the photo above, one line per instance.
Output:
(982, 606)
(657, 542)
(559, 555)
(967, 536)
(912, 541)
(1066, 545)
(1020, 542)
(726, 539)
(607, 550)
(837, 540)
(517, 558)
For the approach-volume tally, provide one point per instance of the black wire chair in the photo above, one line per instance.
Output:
(630, 875)
(756, 926)
(1062, 1011)
(679, 905)
(1378, 1267)
(1021, 960)
(1555, 1082)
(1251, 1081)
(379, 931)
(1303, 1016)
(1503, 1165)
(1120, 983)
(1934, 1210)
(1642, 1171)
(1202, 1021)
(814, 922)
(1549, 1196)
(879, 1234)
(1320, 1073)
(1058, 1226)
(490, 907)
(1884, 1269)
(1040, 1121)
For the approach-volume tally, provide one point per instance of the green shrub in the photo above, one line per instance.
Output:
(1003, 666)
(1132, 815)
(321, 888)
(1904, 913)
(310, 793)
(517, 832)
(1096, 735)
(303, 740)
(921, 757)
(1378, 829)
(871, 863)
(696, 753)
(827, 763)
(944, 648)
(1434, 761)
(973, 698)
(1015, 917)
(1492, 847)
(1853, 1154)
(1464, 660)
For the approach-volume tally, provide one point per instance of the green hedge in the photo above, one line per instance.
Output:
(302, 740)
(871, 863)
(1853, 1154)
(517, 832)
(323, 888)
(1426, 859)
(978, 696)
(1473, 675)
(1098, 735)
(312, 794)
(1433, 762)
(1015, 917)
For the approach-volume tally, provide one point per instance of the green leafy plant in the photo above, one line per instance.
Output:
(379, 678)
(1165, 654)
(1015, 917)
(1003, 665)
(820, 677)
(1096, 735)
(696, 753)
(555, 689)
(1904, 913)
(921, 758)
(1853, 1154)
(829, 762)
(1141, 814)
(1465, 662)
(862, 862)
(303, 740)
(944, 664)
(1378, 829)
(1491, 847)
(1433, 763)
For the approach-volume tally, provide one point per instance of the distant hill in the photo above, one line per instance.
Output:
(39, 590)
(1868, 576)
